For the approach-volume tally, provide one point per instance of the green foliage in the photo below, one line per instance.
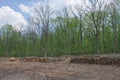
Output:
(68, 36)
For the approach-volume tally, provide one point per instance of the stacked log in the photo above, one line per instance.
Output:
(96, 60)
(65, 58)
(36, 59)
(103, 60)
(13, 59)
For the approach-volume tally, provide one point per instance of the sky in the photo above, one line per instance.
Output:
(18, 11)
(11, 11)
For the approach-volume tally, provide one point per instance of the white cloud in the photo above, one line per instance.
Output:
(24, 8)
(55, 4)
(58, 5)
(8, 15)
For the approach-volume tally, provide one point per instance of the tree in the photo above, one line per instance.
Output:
(96, 17)
(41, 17)
(114, 22)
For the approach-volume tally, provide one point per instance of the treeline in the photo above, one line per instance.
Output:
(94, 28)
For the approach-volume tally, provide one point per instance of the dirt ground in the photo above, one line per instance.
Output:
(56, 71)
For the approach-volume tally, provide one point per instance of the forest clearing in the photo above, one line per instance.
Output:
(28, 68)
(59, 39)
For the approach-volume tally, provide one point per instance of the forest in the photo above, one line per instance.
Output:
(93, 29)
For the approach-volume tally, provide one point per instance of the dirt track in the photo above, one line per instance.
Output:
(56, 71)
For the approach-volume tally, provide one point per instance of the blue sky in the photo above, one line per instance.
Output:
(10, 10)
(18, 11)
(14, 4)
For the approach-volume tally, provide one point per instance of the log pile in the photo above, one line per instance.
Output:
(96, 60)
(35, 59)
(13, 59)
(31, 59)
(103, 60)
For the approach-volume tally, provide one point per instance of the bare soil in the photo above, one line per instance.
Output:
(18, 70)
